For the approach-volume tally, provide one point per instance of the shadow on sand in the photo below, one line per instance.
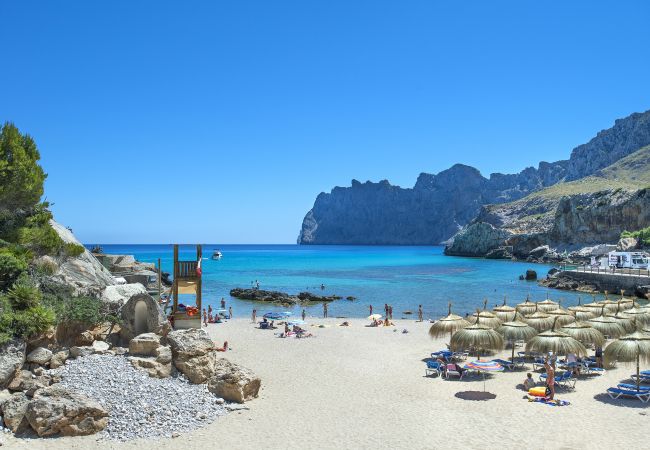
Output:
(475, 395)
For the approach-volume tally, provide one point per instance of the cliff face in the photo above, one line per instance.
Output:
(439, 205)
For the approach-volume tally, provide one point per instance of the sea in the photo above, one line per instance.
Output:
(401, 276)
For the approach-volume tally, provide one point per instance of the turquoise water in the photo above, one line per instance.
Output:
(401, 276)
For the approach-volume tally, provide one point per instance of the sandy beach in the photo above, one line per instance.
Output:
(361, 387)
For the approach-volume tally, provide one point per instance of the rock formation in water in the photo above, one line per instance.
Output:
(438, 206)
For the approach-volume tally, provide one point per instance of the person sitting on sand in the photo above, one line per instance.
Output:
(388, 323)
(224, 348)
(529, 382)
(345, 324)
(286, 328)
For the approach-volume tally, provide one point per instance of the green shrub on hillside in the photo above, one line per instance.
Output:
(87, 310)
(30, 322)
(73, 250)
(11, 268)
(24, 295)
(642, 235)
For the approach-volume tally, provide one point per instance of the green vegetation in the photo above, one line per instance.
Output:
(642, 235)
(25, 234)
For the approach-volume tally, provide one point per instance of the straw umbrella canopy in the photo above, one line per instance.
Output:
(526, 307)
(630, 348)
(595, 307)
(448, 324)
(607, 325)
(487, 318)
(610, 305)
(547, 305)
(639, 314)
(516, 331)
(539, 320)
(626, 321)
(626, 303)
(580, 312)
(584, 333)
(504, 312)
(557, 342)
(478, 336)
(563, 316)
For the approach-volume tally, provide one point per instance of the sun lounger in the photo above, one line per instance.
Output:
(507, 364)
(538, 364)
(453, 371)
(460, 356)
(615, 393)
(643, 378)
(565, 379)
(645, 372)
(264, 325)
(632, 387)
(433, 368)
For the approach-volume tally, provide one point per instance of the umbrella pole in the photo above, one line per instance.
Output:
(638, 380)
(513, 351)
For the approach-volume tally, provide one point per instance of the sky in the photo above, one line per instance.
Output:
(220, 122)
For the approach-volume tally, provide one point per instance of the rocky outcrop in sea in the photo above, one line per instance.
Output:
(282, 298)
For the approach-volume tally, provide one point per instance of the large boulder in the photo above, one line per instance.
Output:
(25, 381)
(152, 366)
(77, 352)
(59, 411)
(627, 244)
(84, 273)
(40, 356)
(233, 383)
(100, 347)
(142, 314)
(59, 359)
(193, 354)
(13, 412)
(12, 358)
(144, 344)
(117, 295)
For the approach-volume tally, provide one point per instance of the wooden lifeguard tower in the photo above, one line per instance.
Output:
(187, 280)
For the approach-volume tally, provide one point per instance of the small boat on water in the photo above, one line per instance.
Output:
(217, 254)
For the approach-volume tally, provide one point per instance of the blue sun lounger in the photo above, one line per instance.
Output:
(615, 393)
(433, 368)
(632, 387)
(507, 364)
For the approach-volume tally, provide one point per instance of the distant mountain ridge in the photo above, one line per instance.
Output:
(439, 205)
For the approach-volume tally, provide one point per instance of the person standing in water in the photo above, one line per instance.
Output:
(370, 308)
(254, 316)
(420, 318)
(304, 314)
(325, 310)
(223, 303)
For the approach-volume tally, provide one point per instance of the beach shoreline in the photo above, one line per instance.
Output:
(363, 387)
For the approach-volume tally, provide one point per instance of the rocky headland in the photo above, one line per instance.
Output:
(439, 206)
(281, 298)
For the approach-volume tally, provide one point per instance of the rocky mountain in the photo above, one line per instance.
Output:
(439, 205)
(566, 216)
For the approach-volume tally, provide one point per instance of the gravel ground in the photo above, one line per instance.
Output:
(140, 406)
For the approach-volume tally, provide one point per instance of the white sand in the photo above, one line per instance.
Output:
(360, 387)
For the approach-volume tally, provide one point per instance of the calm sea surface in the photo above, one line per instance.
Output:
(401, 276)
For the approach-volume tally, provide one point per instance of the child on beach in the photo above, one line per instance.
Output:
(254, 316)
(529, 382)
(205, 318)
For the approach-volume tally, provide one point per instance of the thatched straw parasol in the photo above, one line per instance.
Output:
(580, 312)
(448, 324)
(547, 305)
(516, 331)
(557, 342)
(476, 336)
(626, 321)
(487, 318)
(626, 303)
(630, 348)
(595, 307)
(640, 314)
(539, 320)
(526, 307)
(563, 316)
(610, 305)
(504, 312)
(607, 325)
(584, 333)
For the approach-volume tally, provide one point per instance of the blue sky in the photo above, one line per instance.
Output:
(220, 122)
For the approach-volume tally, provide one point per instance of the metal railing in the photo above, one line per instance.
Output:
(586, 268)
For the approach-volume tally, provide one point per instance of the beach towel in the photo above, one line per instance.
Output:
(555, 402)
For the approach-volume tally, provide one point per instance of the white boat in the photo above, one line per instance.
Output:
(216, 254)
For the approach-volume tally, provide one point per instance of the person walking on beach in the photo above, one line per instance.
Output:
(230, 312)
(420, 319)
(223, 303)
(210, 312)
(254, 316)
(550, 378)
(304, 314)
(205, 318)
(325, 310)
(390, 312)
(370, 308)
